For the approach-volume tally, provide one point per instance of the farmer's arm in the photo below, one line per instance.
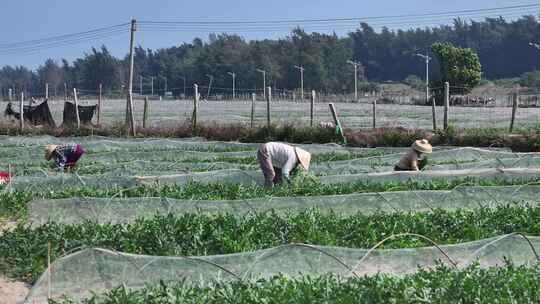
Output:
(414, 165)
(288, 167)
(60, 161)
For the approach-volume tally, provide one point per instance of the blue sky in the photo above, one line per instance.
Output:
(23, 20)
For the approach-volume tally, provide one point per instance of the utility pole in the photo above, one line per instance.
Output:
(264, 81)
(152, 85)
(301, 68)
(184, 79)
(209, 85)
(140, 85)
(233, 83)
(130, 77)
(427, 59)
(356, 65)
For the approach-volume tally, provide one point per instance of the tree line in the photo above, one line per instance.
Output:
(388, 55)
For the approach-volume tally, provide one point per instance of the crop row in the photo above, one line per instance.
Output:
(13, 204)
(23, 251)
(508, 284)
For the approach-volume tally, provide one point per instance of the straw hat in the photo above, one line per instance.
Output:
(49, 149)
(304, 157)
(422, 146)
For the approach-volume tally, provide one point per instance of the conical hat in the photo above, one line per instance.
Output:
(49, 149)
(304, 157)
(422, 146)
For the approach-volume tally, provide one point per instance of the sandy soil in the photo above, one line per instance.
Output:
(12, 292)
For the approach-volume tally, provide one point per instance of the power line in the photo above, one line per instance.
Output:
(357, 19)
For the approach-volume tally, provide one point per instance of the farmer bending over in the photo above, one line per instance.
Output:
(412, 161)
(277, 160)
(65, 156)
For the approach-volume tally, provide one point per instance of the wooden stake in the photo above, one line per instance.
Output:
(433, 115)
(21, 112)
(312, 110)
(130, 77)
(268, 100)
(145, 112)
(99, 104)
(49, 276)
(446, 104)
(253, 98)
(195, 105)
(374, 113)
(515, 99)
(336, 120)
(76, 108)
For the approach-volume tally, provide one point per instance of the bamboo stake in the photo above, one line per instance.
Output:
(312, 110)
(145, 111)
(515, 98)
(268, 100)
(99, 104)
(49, 276)
(374, 113)
(253, 97)
(446, 104)
(21, 112)
(76, 108)
(195, 106)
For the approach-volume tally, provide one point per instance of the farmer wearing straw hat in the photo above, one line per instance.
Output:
(277, 160)
(65, 156)
(412, 160)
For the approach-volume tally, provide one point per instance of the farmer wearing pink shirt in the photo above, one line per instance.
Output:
(277, 160)
(65, 156)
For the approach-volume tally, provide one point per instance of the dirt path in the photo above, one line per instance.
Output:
(12, 292)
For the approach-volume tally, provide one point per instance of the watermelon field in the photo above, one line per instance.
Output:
(187, 221)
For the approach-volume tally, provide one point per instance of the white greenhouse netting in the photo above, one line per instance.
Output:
(98, 270)
(124, 210)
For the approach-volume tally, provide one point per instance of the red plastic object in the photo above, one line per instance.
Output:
(4, 177)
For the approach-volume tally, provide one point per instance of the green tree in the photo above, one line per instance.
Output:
(459, 66)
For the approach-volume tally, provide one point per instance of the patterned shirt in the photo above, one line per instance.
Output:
(67, 155)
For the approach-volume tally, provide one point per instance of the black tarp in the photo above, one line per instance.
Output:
(37, 115)
(86, 113)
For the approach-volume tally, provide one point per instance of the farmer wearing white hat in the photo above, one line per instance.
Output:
(410, 161)
(65, 156)
(277, 160)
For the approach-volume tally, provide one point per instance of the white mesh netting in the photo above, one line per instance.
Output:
(97, 270)
(124, 210)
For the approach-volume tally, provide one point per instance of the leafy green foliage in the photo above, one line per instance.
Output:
(13, 204)
(23, 251)
(459, 66)
(508, 284)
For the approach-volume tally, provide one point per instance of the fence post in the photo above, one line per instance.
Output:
(433, 114)
(253, 97)
(268, 100)
(515, 99)
(145, 112)
(336, 121)
(195, 105)
(21, 112)
(312, 112)
(99, 104)
(446, 104)
(374, 113)
(76, 108)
